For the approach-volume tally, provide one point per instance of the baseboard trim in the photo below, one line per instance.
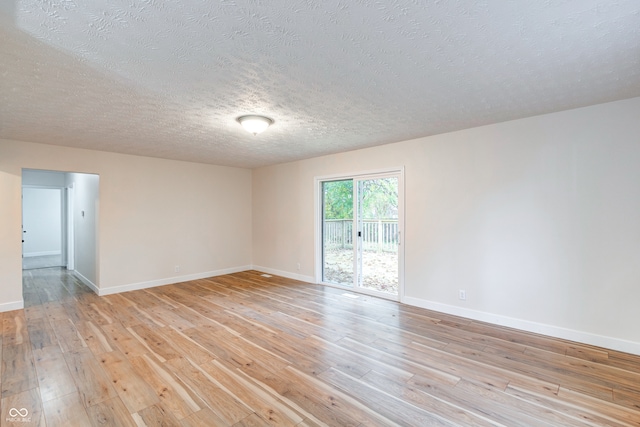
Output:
(86, 281)
(46, 253)
(301, 277)
(10, 306)
(529, 326)
(169, 281)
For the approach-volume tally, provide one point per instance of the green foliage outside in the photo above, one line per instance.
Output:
(338, 199)
(380, 199)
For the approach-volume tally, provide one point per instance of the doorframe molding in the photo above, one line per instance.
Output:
(70, 200)
(317, 235)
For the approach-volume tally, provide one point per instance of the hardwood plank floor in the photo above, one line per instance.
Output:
(245, 350)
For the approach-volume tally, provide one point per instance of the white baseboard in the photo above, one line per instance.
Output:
(10, 306)
(45, 253)
(301, 277)
(86, 281)
(529, 326)
(168, 281)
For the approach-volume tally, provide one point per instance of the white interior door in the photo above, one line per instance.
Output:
(42, 227)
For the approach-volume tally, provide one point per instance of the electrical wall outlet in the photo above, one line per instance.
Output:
(176, 269)
(298, 266)
(462, 294)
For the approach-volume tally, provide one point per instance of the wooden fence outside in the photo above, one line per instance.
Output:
(377, 235)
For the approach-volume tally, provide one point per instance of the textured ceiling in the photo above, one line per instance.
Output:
(168, 78)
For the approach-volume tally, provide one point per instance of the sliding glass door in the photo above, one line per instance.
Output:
(361, 231)
(337, 229)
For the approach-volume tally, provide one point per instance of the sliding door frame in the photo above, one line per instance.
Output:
(318, 232)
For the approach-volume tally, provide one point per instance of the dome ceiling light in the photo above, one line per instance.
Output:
(255, 124)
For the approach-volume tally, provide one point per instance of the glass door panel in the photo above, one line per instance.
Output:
(377, 234)
(337, 232)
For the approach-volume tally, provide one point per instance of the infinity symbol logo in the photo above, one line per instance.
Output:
(13, 412)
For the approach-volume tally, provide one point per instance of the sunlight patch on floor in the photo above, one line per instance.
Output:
(351, 295)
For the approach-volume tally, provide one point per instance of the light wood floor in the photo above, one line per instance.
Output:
(44, 261)
(245, 350)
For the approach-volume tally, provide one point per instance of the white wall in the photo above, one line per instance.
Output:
(42, 221)
(154, 214)
(85, 225)
(537, 219)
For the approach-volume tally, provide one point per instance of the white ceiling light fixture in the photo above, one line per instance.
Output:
(255, 124)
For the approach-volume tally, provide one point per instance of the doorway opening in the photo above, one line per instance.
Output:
(60, 222)
(359, 232)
